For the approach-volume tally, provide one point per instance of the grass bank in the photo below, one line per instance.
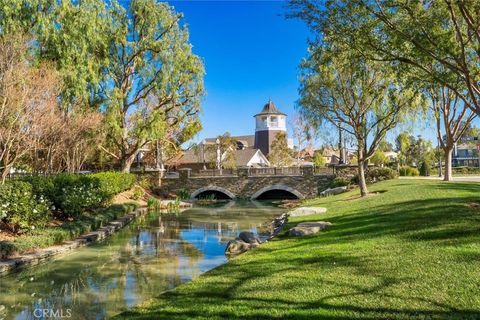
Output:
(412, 251)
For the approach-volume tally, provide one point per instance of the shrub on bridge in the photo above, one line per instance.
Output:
(340, 182)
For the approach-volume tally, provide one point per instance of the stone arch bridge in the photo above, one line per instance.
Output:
(251, 183)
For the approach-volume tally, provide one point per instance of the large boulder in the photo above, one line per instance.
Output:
(308, 228)
(249, 237)
(333, 191)
(306, 211)
(237, 246)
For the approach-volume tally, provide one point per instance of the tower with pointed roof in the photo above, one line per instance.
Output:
(269, 122)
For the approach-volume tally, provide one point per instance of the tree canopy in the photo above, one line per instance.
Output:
(361, 97)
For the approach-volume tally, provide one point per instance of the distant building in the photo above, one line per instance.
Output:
(391, 155)
(465, 153)
(268, 123)
(251, 150)
(199, 159)
(332, 156)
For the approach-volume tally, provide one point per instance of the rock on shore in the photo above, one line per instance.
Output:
(308, 228)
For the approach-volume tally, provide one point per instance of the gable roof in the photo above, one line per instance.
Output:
(242, 157)
(248, 141)
(270, 108)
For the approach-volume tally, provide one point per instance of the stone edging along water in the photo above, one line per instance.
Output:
(9, 265)
(247, 240)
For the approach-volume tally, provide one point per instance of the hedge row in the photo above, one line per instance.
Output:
(466, 170)
(372, 176)
(28, 203)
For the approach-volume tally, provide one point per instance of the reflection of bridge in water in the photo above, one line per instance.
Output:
(251, 183)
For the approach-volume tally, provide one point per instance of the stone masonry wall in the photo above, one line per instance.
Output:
(244, 186)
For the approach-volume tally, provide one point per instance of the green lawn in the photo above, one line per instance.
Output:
(412, 251)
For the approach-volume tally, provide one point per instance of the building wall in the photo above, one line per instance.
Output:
(261, 125)
(258, 160)
(264, 139)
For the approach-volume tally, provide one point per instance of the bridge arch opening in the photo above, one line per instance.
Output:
(277, 195)
(217, 193)
(277, 192)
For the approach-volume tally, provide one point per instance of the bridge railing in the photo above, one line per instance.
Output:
(323, 170)
(276, 171)
(214, 173)
(257, 172)
(261, 171)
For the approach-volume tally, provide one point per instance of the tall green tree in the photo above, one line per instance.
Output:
(74, 35)
(361, 97)
(452, 119)
(319, 159)
(379, 158)
(402, 145)
(151, 72)
(434, 40)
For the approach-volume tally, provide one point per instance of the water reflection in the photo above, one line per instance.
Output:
(153, 254)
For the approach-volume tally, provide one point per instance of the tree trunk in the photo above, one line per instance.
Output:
(448, 163)
(3, 176)
(127, 161)
(361, 178)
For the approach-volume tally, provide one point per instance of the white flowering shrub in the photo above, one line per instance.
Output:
(20, 208)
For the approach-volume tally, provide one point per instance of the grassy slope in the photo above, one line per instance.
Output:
(410, 252)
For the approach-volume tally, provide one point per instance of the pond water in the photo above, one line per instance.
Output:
(154, 253)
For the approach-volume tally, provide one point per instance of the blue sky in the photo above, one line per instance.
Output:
(251, 54)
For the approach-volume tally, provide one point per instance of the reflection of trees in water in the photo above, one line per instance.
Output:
(141, 261)
(106, 280)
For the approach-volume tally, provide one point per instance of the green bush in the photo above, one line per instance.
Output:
(381, 174)
(466, 170)
(6, 249)
(153, 204)
(20, 208)
(407, 171)
(183, 194)
(73, 193)
(340, 182)
(425, 169)
(41, 185)
(112, 183)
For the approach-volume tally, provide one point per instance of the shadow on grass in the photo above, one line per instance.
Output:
(235, 292)
(223, 299)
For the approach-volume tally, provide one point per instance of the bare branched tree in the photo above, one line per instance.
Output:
(27, 100)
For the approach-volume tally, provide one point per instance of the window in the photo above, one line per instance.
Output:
(274, 122)
(264, 121)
